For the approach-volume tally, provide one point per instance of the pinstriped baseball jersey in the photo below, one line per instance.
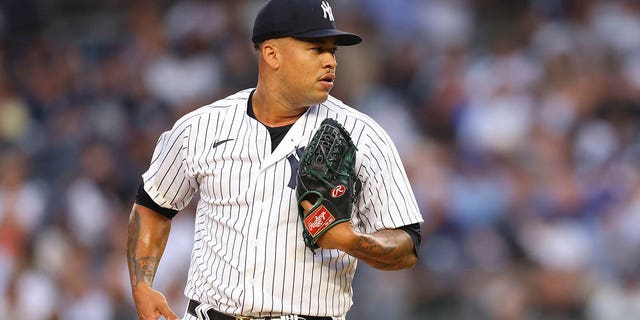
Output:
(249, 256)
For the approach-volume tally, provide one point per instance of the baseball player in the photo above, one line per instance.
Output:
(256, 255)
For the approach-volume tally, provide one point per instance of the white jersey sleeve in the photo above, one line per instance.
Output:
(167, 180)
(387, 200)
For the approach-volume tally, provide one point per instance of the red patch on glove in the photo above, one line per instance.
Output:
(318, 220)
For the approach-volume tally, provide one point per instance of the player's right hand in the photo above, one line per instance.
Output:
(151, 304)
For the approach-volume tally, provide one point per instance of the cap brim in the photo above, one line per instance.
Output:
(342, 38)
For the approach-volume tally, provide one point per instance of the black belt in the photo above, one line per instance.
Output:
(217, 315)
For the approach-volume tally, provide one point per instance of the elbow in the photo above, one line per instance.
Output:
(407, 260)
(410, 261)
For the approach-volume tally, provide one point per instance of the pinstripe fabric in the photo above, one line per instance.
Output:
(249, 257)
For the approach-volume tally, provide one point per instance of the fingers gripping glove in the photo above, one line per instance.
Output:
(327, 179)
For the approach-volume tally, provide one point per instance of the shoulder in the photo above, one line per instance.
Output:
(355, 121)
(220, 107)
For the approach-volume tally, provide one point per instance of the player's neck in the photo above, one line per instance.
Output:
(273, 111)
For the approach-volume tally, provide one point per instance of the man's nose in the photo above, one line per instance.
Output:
(330, 61)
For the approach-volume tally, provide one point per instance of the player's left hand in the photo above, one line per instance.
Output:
(327, 180)
(339, 236)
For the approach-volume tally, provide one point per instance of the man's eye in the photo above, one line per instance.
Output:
(321, 50)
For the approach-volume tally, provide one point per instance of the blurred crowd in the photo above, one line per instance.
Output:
(517, 121)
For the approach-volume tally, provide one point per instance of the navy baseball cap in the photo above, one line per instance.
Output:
(304, 19)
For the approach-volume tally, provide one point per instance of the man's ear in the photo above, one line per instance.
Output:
(271, 54)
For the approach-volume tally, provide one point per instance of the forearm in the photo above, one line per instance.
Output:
(147, 238)
(386, 249)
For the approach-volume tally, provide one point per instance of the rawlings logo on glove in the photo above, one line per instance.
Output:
(338, 191)
(326, 178)
(318, 220)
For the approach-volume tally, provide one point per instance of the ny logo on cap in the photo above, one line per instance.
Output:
(326, 10)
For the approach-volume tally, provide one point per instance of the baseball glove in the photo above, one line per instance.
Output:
(327, 179)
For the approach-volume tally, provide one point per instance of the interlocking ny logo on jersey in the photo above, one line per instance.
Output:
(294, 163)
(217, 143)
(326, 11)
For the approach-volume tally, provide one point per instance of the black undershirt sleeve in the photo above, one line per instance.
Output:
(414, 232)
(143, 199)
